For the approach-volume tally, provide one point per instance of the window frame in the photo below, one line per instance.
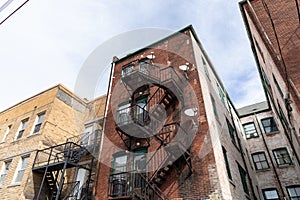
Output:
(125, 73)
(270, 189)
(286, 156)
(21, 169)
(213, 101)
(4, 171)
(8, 129)
(231, 131)
(245, 132)
(37, 123)
(243, 176)
(260, 161)
(293, 187)
(270, 126)
(227, 163)
(21, 129)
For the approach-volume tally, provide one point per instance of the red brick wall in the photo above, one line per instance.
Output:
(196, 186)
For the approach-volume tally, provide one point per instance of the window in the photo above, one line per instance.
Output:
(270, 194)
(127, 70)
(4, 171)
(6, 133)
(118, 177)
(214, 107)
(277, 85)
(221, 93)
(250, 130)
(123, 113)
(243, 176)
(282, 116)
(21, 169)
(231, 131)
(38, 123)
(269, 125)
(282, 157)
(260, 161)
(205, 68)
(22, 129)
(294, 192)
(227, 163)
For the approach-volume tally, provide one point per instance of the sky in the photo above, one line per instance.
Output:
(47, 42)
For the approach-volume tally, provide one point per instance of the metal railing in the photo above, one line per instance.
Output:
(169, 74)
(57, 153)
(120, 184)
(138, 115)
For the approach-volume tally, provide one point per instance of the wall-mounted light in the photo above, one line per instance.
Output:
(138, 144)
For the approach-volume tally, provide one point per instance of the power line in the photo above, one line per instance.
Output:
(13, 12)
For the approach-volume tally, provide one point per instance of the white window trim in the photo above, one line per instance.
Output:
(18, 169)
(6, 133)
(20, 128)
(36, 122)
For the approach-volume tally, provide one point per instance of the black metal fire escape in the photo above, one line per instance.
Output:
(150, 122)
(52, 164)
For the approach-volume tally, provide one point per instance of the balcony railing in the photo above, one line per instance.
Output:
(58, 153)
(120, 184)
(131, 117)
(169, 75)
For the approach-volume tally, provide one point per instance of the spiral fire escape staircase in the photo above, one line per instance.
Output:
(152, 121)
(52, 164)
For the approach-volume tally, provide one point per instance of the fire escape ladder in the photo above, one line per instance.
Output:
(51, 184)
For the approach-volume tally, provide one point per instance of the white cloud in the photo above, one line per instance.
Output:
(46, 42)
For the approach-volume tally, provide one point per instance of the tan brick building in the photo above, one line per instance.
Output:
(42, 121)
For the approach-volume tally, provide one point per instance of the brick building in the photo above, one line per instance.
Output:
(273, 30)
(31, 129)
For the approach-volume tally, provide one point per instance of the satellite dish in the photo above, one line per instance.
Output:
(151, 56)
(183, 67)
(191, 112)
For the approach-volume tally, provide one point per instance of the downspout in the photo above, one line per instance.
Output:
(105, 115)
(242, 152)
(268, 151)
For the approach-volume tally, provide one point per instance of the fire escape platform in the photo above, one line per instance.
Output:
(137, 79)
(54, 166)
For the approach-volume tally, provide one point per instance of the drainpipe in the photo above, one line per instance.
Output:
(269, 154)
(105, 114)
(242, 152)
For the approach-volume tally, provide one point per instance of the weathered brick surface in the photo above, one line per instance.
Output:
(63, 119)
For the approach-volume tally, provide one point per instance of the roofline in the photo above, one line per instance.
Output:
(59, 86)
(152, 44)
(241, 5)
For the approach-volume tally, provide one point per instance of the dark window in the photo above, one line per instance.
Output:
(270, 194)
(294, 192)
(127, 70)
(260, 161)
(282, 157)
(205, 68)
(214, 107)
(269, 125)
(243, 176)
(38, 124)
(221, 94)
(119, 175)
(283, 117)
(22, 129)
(227, 163)
(231, 131)
(250, 130)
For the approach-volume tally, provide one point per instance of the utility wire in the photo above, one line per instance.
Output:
(13, 12)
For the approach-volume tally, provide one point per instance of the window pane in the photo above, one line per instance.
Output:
(250, 130)
(271, 194)
(20, 175)
(269, 125)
